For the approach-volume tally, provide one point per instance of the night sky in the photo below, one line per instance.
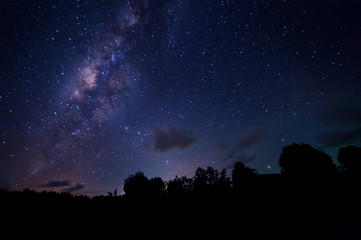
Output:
(93, 91)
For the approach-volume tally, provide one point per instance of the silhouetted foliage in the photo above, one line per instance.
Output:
(157, 186)
(350, 158)
(206, 206)
(210, 180)
(239, 173)
(179, 186)
(223, 183)
(136, 185)
(304, 160)
(204, 179)
(113, 194)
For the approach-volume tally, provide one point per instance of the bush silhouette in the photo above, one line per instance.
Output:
(137, 185)
(350, 158)
(304, 160)
(210, 180)
(224, 183)
(179, 186)
(239, 173)
(156, 186)
(204, 179)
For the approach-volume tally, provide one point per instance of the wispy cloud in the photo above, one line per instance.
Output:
(54, 184)
(77, 187)
(172, 138)
(255, 137)
(338, 138)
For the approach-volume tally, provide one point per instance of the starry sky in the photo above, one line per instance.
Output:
(93, 91)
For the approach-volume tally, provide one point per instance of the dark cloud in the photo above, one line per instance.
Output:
(243, 158)
(337, 138)
(171, 138)
(238, 153)
(77, 187)
(255, 137)
(53, 184)
(340, 115)
(65, 185)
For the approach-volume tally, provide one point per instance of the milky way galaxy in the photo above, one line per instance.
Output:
(97, 95)
(93, 91)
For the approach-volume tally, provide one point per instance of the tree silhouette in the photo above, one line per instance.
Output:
(350, 158)
(308, 208)
(224, 183)
(204, 179)
(241, 172)
(179, 185)
(136, 185)
(156, 186)
(210, 180)
(304, 160)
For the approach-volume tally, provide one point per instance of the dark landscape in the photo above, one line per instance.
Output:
(314, 200)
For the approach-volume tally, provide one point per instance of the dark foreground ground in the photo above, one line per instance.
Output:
(266, 207)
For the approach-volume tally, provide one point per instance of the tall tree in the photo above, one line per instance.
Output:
(304, 160)
(239, 173)
(350, 158)
(136, 185)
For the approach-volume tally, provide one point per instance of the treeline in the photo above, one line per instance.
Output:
(297, 161)
(312, 198)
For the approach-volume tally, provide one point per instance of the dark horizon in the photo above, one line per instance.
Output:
(299, 161)
(310, 199)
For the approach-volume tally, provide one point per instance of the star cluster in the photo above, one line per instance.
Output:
(92, 92)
